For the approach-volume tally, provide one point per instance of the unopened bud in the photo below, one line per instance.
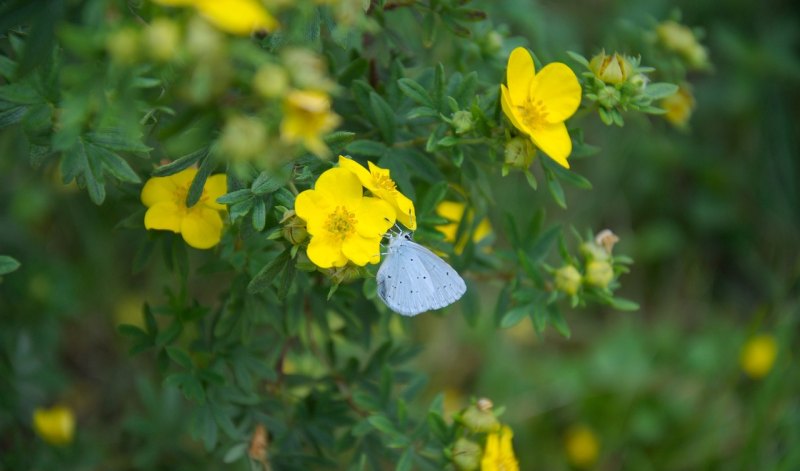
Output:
(599, 273)
(613, 69)
(519, 153)
(202, 39)
(462, 121)
(294, 230)
(608, 97)
(346, 274)
(271, 81)
(161, 39)
(640, 81)
(478, 420)
(568, 280)
(243, 138)
(484, 404)
(493, 42)
(466, 455)
(592, 251)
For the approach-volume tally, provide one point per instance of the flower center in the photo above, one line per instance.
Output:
(341, 223)
(383, 182)
(533, 114)
(182, 192)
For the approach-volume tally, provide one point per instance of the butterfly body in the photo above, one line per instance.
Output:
(412, 279)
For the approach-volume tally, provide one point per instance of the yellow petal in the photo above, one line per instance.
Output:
(237, 16)
(482, 231)
(202, 228)
(404, 210)
(179, 3)
(313, 207)
(55, 425)
(554, 141)
(340, 185)
(452, 211)
(374, 217)
(166, 216)
(184, 178)
(216, 186)
(326, 251)
(362, 250)
(363, 175)
(157, 190)
(519, 73)
(510, 111)
(557, 87)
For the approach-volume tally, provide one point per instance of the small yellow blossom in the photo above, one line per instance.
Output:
(56, 425)
(499, 453)
(679, 107)
(454, 211)
(758, 355)
(380, 184)
(680, 38)
(599, 273)
(343, 224)
(165, 198)
(538, 104)
(307, 116)
(239, 17)
(581, 446)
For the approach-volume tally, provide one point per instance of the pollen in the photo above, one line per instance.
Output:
(383, 182)
(341, 223)
(533, 114)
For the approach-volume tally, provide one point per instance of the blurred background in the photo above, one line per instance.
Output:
(702, 376)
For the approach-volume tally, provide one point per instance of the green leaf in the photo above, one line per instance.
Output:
(382, 424)
(384, 117)
(338, 140)
(406, 461)
(115, 139)
(660, 90)
(235, 453)
(578, 58)
(558, 321)
(8, 264)
(622, 304)
(270, 182)
(368, 148)
(259, 214)
(269, 273)
(12, 116)
(512, 317)
(235, 196)
(199, 182)
(114, 164)
(180, 357)
(416, 92)
(555, 189)
(181, 163)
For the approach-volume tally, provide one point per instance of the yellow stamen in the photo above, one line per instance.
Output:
(533, 114)
(341, 223)
(383, 182)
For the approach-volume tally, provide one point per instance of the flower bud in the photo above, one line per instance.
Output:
(123, 46)
(493, 42)
(568, 280)
(271, 81)
(479, 419)
(613, 69)
(519, 153)
(599, 273)
(243, 138)
(161, 39)
(294, 229)
(466, 455)
(202, 39)
(679, 107)
(608, 97)
(606, 239)
(592, 251)
(346, 274)
(307, 68)
(462, 121)
(639, 81)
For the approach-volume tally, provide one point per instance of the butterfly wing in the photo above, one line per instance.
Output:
(447, 286)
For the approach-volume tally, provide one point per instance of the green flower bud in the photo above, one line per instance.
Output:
(203, 40)
(271, 81)
(568, 280)
(519, 153)
(123, 46)
(608, 97)
(462, 121)
(346, 274)
(592, 251)
(599, 273)
(493, 43)
(640, 81)
(294, 229)
(466, 455)
(161, 39)
(479, 419)
(613, 69)
(243, 138)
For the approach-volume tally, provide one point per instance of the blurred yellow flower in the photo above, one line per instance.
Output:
(758, 355)
(165, 198)
(240, 17)
(343, 224)
(581, 446)
(679, 107)
(538, 104)
(380, 184)
(307, 116)
(499, 453)
(680, 38)
(454, 211)
(56, 425)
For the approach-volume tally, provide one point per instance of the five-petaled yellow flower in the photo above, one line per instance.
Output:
(240, 17)
(454, 212)
(679, 106)
(165, 197)
(380, 184)
(343, 223)
(307, 116)
(499, 453)
(56, 425)
(758, 355)
(538, 104)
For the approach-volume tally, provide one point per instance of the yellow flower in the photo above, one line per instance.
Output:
(165, 197)
(454, 211)
(758, 355)
(499, 453)
(379, 183)
(343, 224)
(240, 17)
(538, 104)
(56, 425)
(307, 116)
(680, 38)
(679, 107)
(582, 446)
